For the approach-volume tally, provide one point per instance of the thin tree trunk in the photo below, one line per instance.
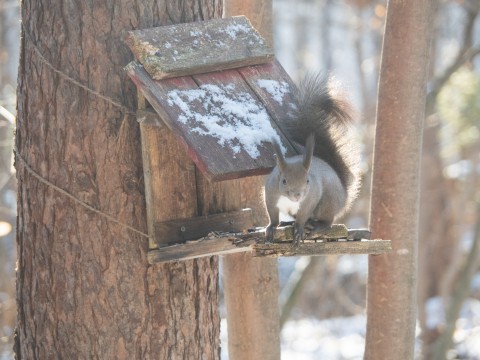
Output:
(84, 287)
(292, 290)
(391, 302)
(437, 231)
(460, 291)
(459, 283)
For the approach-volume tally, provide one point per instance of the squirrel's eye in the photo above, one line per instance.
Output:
(308, 181)
(284, 182)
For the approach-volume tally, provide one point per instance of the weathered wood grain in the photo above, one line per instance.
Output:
(279, 103)
(181, 230)
(194, 48)
(169, 177)
(310, 248)
(197, 249)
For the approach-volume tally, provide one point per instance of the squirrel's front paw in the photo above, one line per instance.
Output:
(269, 232)
(299, 235)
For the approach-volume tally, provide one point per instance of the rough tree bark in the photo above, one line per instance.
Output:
(391, 302)
(84, 288)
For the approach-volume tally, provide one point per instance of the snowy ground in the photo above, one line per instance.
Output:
(340, 338)
(344, 338)
(307, 339)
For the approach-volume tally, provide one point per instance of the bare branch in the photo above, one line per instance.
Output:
(465, 54)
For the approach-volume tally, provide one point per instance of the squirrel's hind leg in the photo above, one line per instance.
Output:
(270, 229)
(270, 232)
(316, 225)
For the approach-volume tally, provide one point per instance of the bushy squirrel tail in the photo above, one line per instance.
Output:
(327, 115)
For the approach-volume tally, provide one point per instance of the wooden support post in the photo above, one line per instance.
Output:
(251, 293)
(251, 284)
(163, 187)
(170, 178)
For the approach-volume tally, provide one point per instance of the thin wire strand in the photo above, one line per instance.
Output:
(32, 172)
(72, 80)
(44, 181)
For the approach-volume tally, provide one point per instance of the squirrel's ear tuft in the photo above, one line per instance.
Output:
(307, 156)
(279, 156)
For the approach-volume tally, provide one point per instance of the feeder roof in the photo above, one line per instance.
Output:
(218, 87)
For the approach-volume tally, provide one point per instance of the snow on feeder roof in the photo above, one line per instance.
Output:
(217, 86)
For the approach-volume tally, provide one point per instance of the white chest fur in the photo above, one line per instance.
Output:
(287, 206)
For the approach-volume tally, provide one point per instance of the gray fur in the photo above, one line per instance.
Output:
(320, 184)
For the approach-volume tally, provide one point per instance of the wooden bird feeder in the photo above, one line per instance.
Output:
(217, 87)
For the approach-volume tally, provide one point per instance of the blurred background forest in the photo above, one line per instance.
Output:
(323, 298)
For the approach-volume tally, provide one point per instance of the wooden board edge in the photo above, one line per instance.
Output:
(195, 250)
(226, 246)
(363, 247)
(191, 229)
(225, 243)
(152, 68)
(257, 51)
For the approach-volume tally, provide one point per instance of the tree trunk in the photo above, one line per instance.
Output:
(438, 251)
(391, 303)
(84, 287)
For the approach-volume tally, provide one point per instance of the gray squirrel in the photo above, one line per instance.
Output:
(317, 187)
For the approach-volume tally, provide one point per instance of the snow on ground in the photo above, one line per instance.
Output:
(308, 339)
(344, 338)
(338, 338)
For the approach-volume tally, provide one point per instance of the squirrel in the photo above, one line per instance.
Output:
(318, 186)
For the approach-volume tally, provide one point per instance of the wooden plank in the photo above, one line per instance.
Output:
(311, 248)
(358, 234)
(165, 181)
(142, 105)
(223, 244)
(229, 243)
(273, 86)
(241, 94)
(181, 230)
(335, 232)
(217, 161)
(198, 249)
(193, 48)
